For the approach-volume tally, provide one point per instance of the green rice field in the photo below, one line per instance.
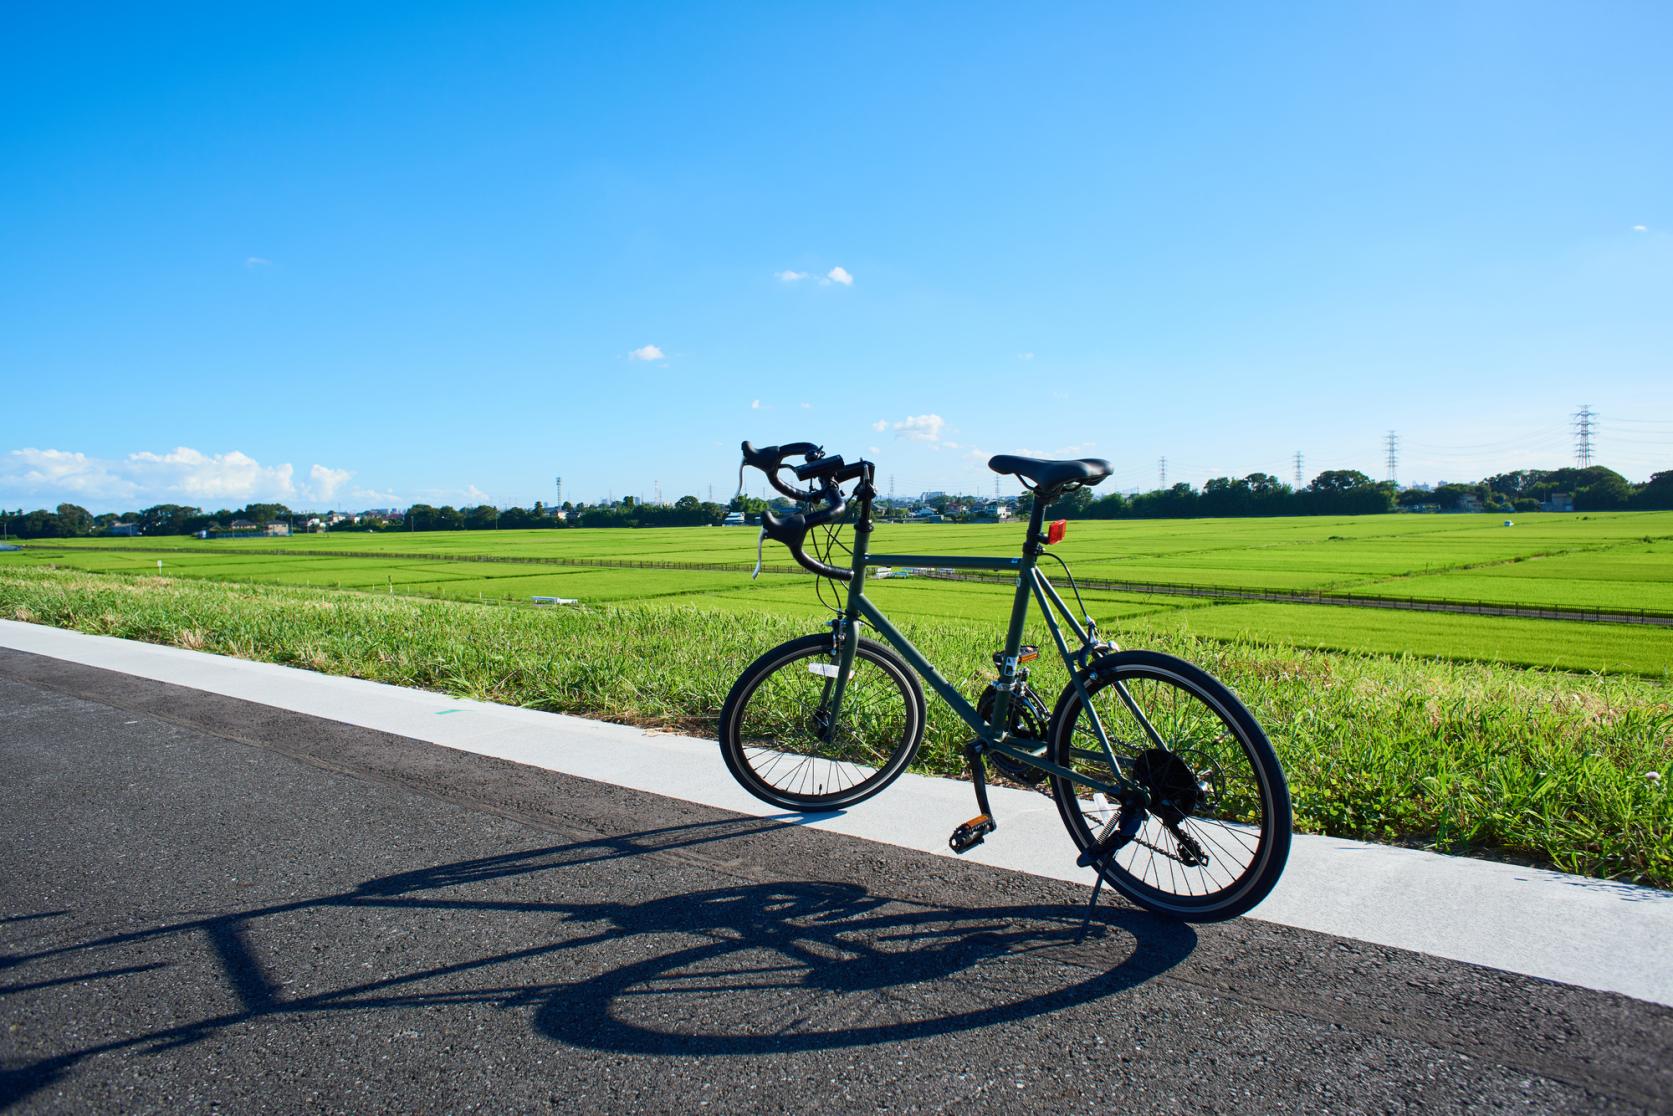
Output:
(1605, 559)
(1616, 562)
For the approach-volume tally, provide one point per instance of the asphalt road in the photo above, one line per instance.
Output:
(206, 904)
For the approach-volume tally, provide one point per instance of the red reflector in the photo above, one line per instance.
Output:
(1055, 533)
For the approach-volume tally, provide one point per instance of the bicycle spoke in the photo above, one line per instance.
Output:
(1203, 831)
(795, 742)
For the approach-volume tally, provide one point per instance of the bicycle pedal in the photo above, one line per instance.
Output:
(971, 833)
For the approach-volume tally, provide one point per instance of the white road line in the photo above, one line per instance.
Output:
(1593, 933)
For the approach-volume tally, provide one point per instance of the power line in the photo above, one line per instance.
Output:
(1583, 434)
(1393, 444)
(1162, 473)
(1298, 460)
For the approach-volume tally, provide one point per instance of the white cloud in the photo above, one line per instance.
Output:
(257, 261)
(755, 404)
(920, 428)
(182, 475)
(788, 276)
(200, 476)
(475, 495)
(56, 474)
(839, 275)
(950, 445)
(323, 483)
(646, 352)
(807, 406)
(880, 425)
(1025, 356)
(1641, 228)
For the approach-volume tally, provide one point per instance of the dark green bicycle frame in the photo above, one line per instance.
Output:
(1030, 583)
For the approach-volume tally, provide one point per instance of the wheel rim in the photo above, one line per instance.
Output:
(788, 742)
(1201, 771)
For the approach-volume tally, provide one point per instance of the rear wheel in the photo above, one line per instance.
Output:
(1217, 833)
(784, 744)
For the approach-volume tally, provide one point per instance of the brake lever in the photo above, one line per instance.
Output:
(760, 541)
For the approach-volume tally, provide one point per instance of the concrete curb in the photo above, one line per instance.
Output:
(1593, 933)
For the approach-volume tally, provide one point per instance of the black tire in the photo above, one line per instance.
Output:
(773, 738)
(1215, 781)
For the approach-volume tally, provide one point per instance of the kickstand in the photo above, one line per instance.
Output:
(1091, 905)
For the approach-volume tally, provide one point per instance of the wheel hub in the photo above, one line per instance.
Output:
(1175, 791)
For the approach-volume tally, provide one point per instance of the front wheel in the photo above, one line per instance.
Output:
(788, 742)
(1217, 832)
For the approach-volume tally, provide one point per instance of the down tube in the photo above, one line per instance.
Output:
(926, 670)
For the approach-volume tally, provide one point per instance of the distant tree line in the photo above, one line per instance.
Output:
(71, 520)
(1351, 492)
(1333, 492)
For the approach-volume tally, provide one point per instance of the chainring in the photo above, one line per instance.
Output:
(1025, 719)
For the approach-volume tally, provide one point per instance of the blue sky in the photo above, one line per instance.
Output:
(349, 255)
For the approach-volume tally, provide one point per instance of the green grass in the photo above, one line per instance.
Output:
(1529, 765)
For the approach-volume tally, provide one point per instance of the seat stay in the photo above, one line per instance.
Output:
(1075, 680)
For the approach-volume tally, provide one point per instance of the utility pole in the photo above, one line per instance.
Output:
(1393, 444)
(1298, 470)
(1162, 473)
(560, 493)
(658, 493)
(1584, 423)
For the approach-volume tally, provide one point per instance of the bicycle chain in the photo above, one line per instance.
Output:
(1194, 850)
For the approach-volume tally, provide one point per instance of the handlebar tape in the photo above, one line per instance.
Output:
(792, 532)
(769, 459)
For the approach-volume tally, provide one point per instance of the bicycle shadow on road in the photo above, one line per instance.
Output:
(744, 969)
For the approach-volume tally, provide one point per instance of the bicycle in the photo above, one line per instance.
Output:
(1165, 781)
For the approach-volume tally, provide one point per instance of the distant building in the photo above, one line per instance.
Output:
(277, 529)
(1558, 502)
(735, 519)
(124, 530)
(988, 513)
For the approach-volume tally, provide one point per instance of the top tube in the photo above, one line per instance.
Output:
(950, 561)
